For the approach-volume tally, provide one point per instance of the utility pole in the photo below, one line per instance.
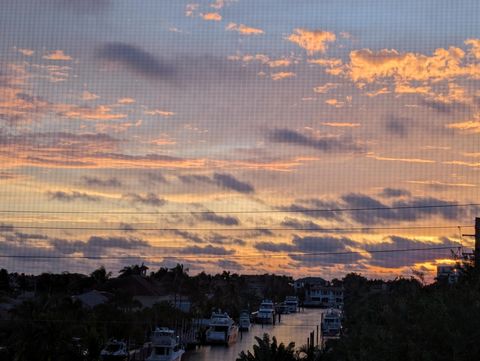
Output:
(477, 242)
(476, 252)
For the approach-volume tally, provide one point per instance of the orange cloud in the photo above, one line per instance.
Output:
(406, 160)
(279, 63)
(475, 44)
(404, 88)
(438, 183)
(378, 92)
(101, 112)
(126, 101)
(369, 66)
(116, 127)
(335, 102)
(57, 55)
(313, 41)
(26, 52)
(263, 59)
(162, 141)
(471, 126)
(282, 75)
(244, 29)
(162, 113)
(325, 88)
(466, 164)
(86, 95)
(329, 62)
(345, 125)
(17, 107)
(212, 17)
(455, 94)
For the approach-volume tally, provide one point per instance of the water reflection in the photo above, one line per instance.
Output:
(295, 327)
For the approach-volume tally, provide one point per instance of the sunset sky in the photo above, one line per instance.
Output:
(206, 132)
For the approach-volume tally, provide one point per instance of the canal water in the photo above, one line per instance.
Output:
(294, 327)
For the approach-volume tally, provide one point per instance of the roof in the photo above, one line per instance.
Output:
(135, 285)
(311, 280)
(92, 298)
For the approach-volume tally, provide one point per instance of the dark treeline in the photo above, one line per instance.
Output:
(41, 319)
(405, 320)
(399, 320)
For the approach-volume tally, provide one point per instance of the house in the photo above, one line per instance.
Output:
(448, 273)
(301, 283)
(323, 296)
(92, 298)
(317, 292)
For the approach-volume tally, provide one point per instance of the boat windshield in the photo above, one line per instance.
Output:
(162, 351)
(220, 328)
(113, 347)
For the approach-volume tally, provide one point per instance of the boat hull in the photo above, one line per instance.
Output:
(113, 357)
(176, 356)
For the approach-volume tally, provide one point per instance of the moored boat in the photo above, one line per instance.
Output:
(292, 303)
(244, 321)
(332, 323)
(114, 350)
(266, 312)
(222, 329)
(165, 346)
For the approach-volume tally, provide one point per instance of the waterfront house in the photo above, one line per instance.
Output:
(323, 296)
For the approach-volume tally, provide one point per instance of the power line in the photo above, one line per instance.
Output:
(299, 210)
(253, 255)
(259, 229)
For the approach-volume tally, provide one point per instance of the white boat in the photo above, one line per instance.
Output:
(332, 323)
(222, 329)
(244, 321)
(266, 312)
(165, 346)
(114, 351)
(292, 303)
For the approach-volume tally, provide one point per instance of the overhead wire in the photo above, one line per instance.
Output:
(235, 256)
(299, 210)
(259, 229)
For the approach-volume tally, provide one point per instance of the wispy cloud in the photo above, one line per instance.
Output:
(162, 113)
(341, 124)
(282, 75)
(212, 16)
(244, 29)
(223, 180)
(57, 55)
(149, 199)
(87, 96)
(405, 160)
(136, 59)
(111, 182)
(322, 89)
(218, 219)
(322, 143)
(72, 196)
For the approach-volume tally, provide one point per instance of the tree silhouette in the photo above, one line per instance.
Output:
(269, 350)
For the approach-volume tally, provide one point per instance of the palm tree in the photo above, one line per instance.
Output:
(100, 275)
(269, 350)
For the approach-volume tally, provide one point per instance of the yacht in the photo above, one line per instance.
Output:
(165, 346)
(332, 323)
(292, 304)
(114, 351)
(221, 329)
(266, 312)
(244, 321)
